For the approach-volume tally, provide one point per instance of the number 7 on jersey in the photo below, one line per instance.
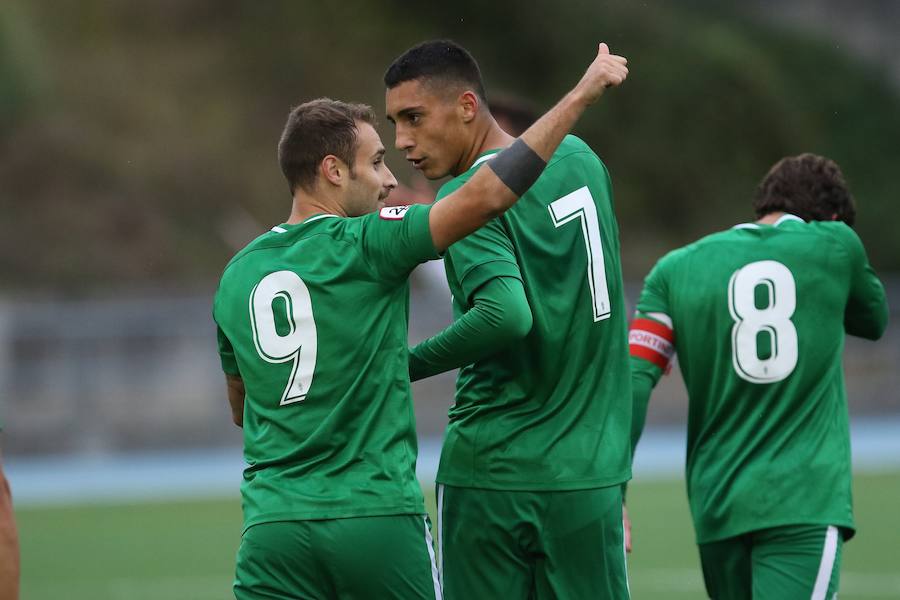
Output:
(580, 205)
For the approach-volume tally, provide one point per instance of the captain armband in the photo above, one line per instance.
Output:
(653, 341)
(518, 167)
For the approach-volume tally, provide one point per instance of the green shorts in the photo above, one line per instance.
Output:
(356, 558)
(798, 561)
(531, 545)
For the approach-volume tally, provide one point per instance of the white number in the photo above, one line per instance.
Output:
(774, 320)
(299, 344)
(580, 205)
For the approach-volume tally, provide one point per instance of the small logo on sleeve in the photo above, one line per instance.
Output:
(393, 213)
(653, 341)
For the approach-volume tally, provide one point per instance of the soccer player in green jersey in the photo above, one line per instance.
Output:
(312, 330)
(757, 315)
(529, 504)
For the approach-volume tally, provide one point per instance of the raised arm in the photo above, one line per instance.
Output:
(491, 191)
(866, 314)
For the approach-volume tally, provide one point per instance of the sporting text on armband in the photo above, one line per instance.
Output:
(651, 340)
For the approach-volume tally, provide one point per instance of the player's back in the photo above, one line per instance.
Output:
(316, 317)
(551, 412)
(759, 314)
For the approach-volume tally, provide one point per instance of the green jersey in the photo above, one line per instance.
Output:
(758, 315)
(313, 317)
(554, 411)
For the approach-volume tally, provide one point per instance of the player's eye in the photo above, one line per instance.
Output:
(414, 118)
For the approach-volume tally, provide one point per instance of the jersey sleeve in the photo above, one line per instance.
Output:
(226, 354)
(651, 335)
(866, 314)
(484, 255)
(396, 239)
(500, 316)
(651, 343)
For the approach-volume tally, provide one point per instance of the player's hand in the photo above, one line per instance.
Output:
(626, 525)
(607, 70)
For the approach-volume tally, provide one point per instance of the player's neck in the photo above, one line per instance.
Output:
(306, 205)
(771, 218)
(490, 138)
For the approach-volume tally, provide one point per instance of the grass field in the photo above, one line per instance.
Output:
(185, 550)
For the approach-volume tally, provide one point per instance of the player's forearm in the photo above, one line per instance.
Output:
(493, 190)
(500, 317)
(644, 377)
(236, 395)
(497, 188)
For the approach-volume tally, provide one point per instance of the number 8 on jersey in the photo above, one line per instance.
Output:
(753, 324)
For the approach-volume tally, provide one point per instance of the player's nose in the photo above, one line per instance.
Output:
(402, 139)
(390, 181)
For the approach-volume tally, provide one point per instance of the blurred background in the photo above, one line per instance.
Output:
(137, 154)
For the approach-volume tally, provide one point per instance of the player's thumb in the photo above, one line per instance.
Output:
(604, 49)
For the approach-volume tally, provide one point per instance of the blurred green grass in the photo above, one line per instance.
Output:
(184, 550)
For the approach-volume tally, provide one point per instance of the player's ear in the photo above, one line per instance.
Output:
(333, 169)
(467, 105)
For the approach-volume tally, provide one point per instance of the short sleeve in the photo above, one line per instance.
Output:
(226, 354)
(654, 296)
(481, 256)
(866, 314)
(396, 239)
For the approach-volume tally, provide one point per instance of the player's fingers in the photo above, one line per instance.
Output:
(603, 49)
(616, 76)
(619, 59)
(620, 70)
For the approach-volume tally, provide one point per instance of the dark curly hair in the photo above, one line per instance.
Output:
(809, 186)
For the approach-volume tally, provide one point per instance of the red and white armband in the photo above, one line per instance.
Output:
(652, 340)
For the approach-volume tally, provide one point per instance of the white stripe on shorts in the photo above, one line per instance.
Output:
(827, 565)
(625, 563)
(440, 529)
(434, 570)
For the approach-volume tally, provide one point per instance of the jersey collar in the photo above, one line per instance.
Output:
(485, 157)
(281, 228)
(782, 219)
(785, 218)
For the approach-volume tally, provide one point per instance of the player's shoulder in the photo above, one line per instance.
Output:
(837, 230)
(689, 253)
(326, 228)
(573, 148)
(257, 243)
(820, 234)
(707, 243)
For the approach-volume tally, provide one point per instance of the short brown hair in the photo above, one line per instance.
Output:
(809, 186)
(314, 130)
